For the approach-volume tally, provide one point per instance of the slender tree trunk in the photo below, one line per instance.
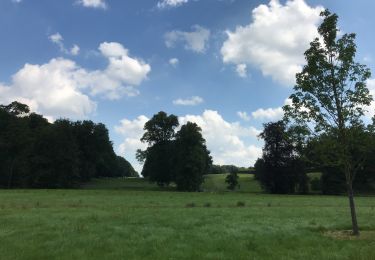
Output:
(353, 213)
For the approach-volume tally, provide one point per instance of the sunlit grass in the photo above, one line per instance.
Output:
(148, 224)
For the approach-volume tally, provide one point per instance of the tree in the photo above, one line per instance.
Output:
(192, 159)
(157, 158)
(280, 170)
(232, 180)
(331, 96)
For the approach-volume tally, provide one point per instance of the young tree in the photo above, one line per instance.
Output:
(192, 159)
(157, 158)
(330, 95)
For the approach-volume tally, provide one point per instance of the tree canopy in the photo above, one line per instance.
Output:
(62, 154)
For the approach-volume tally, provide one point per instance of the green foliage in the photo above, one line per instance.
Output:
(280, 170)
(220, 169)
(331, 96)
(232, 180)
(160, 128)
(157, 158)
(35, 153)
(180, 157)
(192, 159)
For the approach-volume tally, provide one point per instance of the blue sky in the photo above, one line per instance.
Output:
(228, 65)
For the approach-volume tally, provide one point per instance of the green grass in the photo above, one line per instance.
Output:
(121, 221)
(216, 182)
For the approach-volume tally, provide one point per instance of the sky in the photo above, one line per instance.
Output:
(228, 65)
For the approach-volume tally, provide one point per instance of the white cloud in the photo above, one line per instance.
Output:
(75, 50)
(16, 1)
(193, 101)
(61, 88)
(275, 40)
(229, 143)
(51, 89)
(174, 62)
(371, 109)
(243, 115)
(93, 3)
(170, 3)
(270, 114)
(196, 40)
(132, 131)
(241, 70)
(58, 40)
(226, 140)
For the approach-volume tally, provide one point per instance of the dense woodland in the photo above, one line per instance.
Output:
(38, 154)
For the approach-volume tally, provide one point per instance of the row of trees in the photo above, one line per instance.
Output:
(220, 169)
(286, 161)
(181, 157)
(36, 153)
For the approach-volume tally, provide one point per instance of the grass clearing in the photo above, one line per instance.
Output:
(127, 223)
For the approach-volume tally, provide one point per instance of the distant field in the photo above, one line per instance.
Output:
(214, 183)
(131, 219)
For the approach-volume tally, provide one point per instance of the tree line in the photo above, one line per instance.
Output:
(287, 160)
(37, 154)
(174, 156)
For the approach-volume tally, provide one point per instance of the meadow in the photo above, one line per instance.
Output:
(132, 219)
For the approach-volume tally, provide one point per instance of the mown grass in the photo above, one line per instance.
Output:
(148, 224)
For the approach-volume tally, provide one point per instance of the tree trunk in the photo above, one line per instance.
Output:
(353, 213)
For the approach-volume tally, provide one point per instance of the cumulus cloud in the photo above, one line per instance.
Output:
(275, 40)
(196, 40)
(61, 88)
(229, 143)
(51, 89)
(272, 114)
(226, 140)
(268, 114)
(58, 40)
(132, 131)
(193, 101)
(243, 115)
(93, 3)
(174, 62)
(170, 3)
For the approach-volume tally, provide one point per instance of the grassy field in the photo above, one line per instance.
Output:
(131, 219)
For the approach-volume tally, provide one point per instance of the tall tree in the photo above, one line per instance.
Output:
(191, 159)
(157, 158)
(330, 96)
(280, 170)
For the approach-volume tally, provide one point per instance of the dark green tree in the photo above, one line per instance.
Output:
(157, 158)
(125, 169)
(331, 96)
(232, 180)
(55, 158)
(280, 170)
(192, 160)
